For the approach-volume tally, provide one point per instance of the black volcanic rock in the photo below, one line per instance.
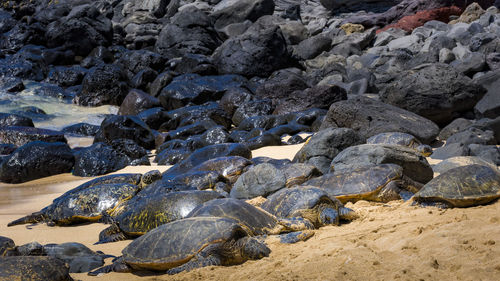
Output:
(22, 135)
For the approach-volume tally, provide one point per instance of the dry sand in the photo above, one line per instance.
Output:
(393, 241)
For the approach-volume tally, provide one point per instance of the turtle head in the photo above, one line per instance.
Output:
(425, 150)
(328, 215)
(254, 249)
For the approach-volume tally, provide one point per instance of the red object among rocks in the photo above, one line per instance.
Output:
(408, 23)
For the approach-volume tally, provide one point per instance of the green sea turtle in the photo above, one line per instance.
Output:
(307, 202)
(379, 183)
(403, 139)
(255, 220)
(463, 186)
(6, 245)
(229, 167)
(139, 215)
(85, 205)
(187, 244)
(33, 268)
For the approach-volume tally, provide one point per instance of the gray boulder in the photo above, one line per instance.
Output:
(489, 105)
(229, 12)
(369, 117)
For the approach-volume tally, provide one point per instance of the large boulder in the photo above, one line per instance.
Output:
(257, 52)
(315, 97)
(23, 135)
(414, 165)
(36, 160)
(489, 105)
(190, 32)
(98, 159)
(369, 117)
(103, 84)
(259, 180)
(435, 91)
(228, 12)
(7, 119)
(83, 29)
(137, 101)
(127, 127)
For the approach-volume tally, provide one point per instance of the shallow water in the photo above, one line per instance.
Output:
(60, 113)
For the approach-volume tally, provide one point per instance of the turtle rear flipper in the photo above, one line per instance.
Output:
(111, 234)
(198, 261)
(33, 218)
(297, 236)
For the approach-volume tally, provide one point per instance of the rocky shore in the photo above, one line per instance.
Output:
(363, 96)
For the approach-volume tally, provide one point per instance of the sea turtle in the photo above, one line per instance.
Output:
(307, 202)
(255, 220)
(78, 256)
(187, 244)
(139, 215)
(149, 178)
(403, 139)
(6, 245)
(463, 186)
(86, 205)
(380, 183)
(33, 268)
(191, 180)
(229, 167)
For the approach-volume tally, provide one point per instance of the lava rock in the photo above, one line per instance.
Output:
(22, 135)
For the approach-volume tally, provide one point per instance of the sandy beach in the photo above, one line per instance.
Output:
(393, 241)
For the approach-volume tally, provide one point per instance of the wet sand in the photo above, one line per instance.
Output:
(393, 241)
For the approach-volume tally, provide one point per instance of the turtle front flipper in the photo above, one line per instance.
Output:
(111, 234)
(118, 266)
(295, 224)
(198, 261)
(347, 214)
(33, 218)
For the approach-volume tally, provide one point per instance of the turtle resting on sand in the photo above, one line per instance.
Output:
(464, 186)
(187, 244)
(86, 205)
(308, 202)
(403, 139)
(139, 215)
(379, 183)
(255, 220)
(33, 268)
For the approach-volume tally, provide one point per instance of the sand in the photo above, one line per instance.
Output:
(392, 241)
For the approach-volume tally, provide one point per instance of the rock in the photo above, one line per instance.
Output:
(410, 22)
(265, 139)
(281, 84)
(470, 64)
(369, 117)
(259, 180)
(102, 85)
(190, 32)
(137, 101)
(446, 56)
(153, 117)
(455, 126)
(49, 90)
(493, 60)
(7, 148)
(414, 165)
(459, 161)
(136, 61)
(472, 135)
(82, 129)
(489, 153)
(66, 76)
(127, 127)
(252, 108)
(411, 42)
(196, 89)
(76, 255)
(196, 128)
(8, 119)
(80, 31)
(11, 84)
(98, 159)
(232, 99)
(36, 160)
(450, 150)
(162, 80)
(188, 115)
(489, 105)
(350, 28)
(324, 145)
(316, 97)
(229, 11)
(172, 156)
(313, 46)
(22, 135)
(443, 93)
(470, 14)
(257, 52)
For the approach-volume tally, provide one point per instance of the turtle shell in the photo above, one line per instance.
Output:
(395, 138)
(175, 243)
(229, 167)
(288, 202)
(358, 184)
(88, 204)
(145, 213)
(256, 220)
(464, 186)
(35, 268)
